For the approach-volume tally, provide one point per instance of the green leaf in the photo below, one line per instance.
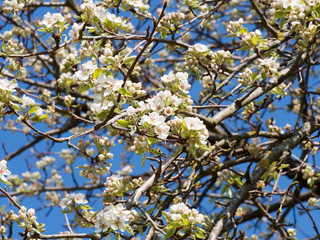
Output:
(183, 94)
(264, 47)
(123, 123)
(67, 211)
(43, 117)
(129, 229)
(170, 233)
(206, 52)
(92, 30)
(35, 230)
(82, 167)
(152, 141)
(124, 92)
(129, 60)
(36, 119)
(143, 160)
(245, 89)
(201, 230)
(254, 75)
(199, 234)
(179, 150)
(15, 106)
(117, 110)
(140, 229)
(283, 166)
(280, 14)
(84, 17)
(185, 221)
(184, 126)
(201, 145)
(238, 181)
(192, 150)
(293, 29)
(226, 188)
(281, 23)
(84, 89)
(150, 211)
(3, 47)
(243, 48)
(117, 236)
(174, 225)
(243, 30)
(96, 73)
(255, 40)
(111, 60)
(33, 109)
(165, 215)
(155, 152)
(85, 207)
(5, 182)
(230, 35)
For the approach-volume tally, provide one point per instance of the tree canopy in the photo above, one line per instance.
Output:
(180, 119)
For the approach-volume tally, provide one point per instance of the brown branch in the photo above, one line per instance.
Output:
(278, 154)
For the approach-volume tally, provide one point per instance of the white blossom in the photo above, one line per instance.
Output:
(7, 85)
(74, 32)
(26, 101)
(168, 78)
(4, 170)
(200, 48)
(84, 74)
(153, 118)
(114, 217)
(49, 20)
(71, 199)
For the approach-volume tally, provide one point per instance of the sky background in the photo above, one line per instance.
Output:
(55, 221)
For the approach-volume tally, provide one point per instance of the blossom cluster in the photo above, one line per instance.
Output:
(140, 6)
(68, 155)
(116, 186)
(110, 21)
(11, 46)
(70, 200)
(163, 106)
(270, 124)
(155, 123)
(310, 175)
(13, 5)
(54, 24)
(196, 58)
(177, 211)
(100, 166)
(45, 161)
(228, 178)
(249, 40)
(234, 27)
(313, 202)
(269, 67)
(218, 58)
(298, 16)
(151, 116)
(170, 22)
(27, 220)
(248, 78)
(190, 128)
(113, 217)
(182, 219)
